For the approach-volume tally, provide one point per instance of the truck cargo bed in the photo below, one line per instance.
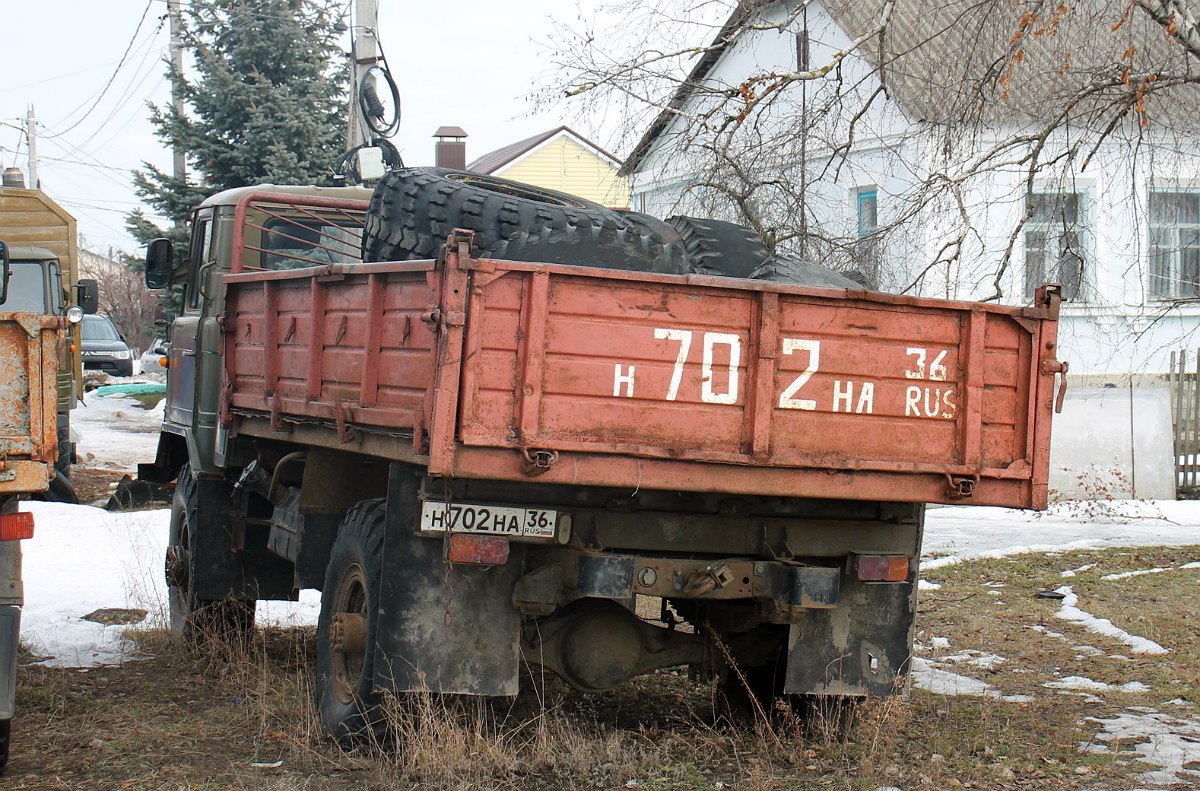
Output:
(505, 370)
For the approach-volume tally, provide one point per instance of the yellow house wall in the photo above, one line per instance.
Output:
(566, 166)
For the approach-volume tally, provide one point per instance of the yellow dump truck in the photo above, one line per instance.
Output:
(40, 368)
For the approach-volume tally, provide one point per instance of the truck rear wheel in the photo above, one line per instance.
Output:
(5, 738)
(192, 619)
(349, 706)
(414, 210)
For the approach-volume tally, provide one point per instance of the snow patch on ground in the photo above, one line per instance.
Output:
(1087, 684)
(1071, 612)
(928, 676)
(83, 558)
(1170, 743)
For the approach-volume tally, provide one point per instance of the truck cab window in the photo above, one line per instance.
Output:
(294, 243)
(201, 244)
(27, 288)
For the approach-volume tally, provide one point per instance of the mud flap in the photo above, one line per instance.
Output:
(455, 633)
(10, 633)
(220, 571)
(860, 647)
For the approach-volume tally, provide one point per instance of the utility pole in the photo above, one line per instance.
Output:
(364, 53)
(179, 161)
(31, 137)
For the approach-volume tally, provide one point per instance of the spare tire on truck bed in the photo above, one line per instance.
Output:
(716, 247)
(414, 210)
(804, 273)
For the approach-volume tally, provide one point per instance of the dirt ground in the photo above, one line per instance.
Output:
(92, 485)
(243, 717)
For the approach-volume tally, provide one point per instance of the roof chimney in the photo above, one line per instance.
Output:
(451, 149)
(13, 177)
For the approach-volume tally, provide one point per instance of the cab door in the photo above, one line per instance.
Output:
(182, 392)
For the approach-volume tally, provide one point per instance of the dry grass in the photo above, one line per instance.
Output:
(204, 720)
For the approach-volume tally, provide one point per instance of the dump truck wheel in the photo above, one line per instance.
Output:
(720, 248)
(59, 491)
(753, 692)
(350, 708)
(804, 273)
(414, 210)
(194, 620)
(5, 739)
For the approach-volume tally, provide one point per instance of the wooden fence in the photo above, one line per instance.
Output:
(1185, 409)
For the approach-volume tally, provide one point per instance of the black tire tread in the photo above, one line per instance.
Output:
(414, 210)
(196, 621)
(804, 273)
(359, 535)
(715, 247)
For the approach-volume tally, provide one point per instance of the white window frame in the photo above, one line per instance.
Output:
(1056, 232)
(1173, 250)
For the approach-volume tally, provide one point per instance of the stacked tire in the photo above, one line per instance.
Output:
(414, 210)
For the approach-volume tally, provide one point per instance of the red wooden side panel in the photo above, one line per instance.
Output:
(572, 375)
(315, 341)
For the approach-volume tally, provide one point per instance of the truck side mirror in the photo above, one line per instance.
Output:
(5, 271)
(160, 261)
(89, 295)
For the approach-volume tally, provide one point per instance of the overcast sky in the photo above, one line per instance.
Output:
(470, 63)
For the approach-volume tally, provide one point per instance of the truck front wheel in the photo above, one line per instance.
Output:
(193, 619)
(350, 707)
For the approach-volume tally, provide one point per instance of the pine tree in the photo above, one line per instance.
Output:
(266, 104)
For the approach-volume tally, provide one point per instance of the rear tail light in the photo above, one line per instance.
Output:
(480, 550)
(14, 527)
(881, 568)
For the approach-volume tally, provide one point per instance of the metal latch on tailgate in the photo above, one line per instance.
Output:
(1057, 367)
(961, 485)
(538, 461)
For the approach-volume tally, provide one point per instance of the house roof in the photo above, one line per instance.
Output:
(991, 61)
(944, 60)
(494, 160)
(697, 75)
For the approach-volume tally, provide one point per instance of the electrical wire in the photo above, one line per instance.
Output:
(112, 78)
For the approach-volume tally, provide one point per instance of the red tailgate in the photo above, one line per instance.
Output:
(800, 391)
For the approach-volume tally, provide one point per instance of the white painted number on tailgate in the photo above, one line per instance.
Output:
(787, 399)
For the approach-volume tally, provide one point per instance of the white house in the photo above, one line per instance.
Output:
(943, 209)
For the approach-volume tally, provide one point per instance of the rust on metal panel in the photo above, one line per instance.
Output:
(532, 357)
(370, 352)
(316, 336)
(450, 337)
(29, 349)
(763, 358)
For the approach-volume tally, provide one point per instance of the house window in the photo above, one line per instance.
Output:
(1175, 245)
(867, 249)
(1055, 238)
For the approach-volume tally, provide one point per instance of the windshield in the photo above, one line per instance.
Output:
(98, 328)
(27, 287)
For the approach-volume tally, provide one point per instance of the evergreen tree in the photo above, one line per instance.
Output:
(266, 104)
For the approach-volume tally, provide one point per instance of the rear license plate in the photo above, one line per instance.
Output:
(497, 520)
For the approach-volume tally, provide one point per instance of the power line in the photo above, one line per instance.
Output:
(112, 78)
